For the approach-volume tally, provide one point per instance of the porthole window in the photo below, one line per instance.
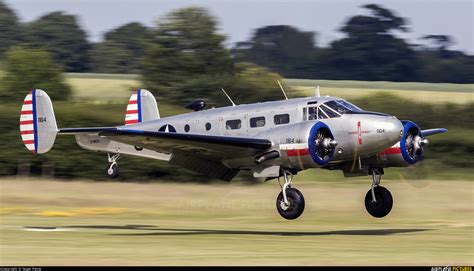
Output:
(186, 128)
(208, 126)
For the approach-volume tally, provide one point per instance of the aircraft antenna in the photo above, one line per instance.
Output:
(225, 93)
(282, 90)
(317, 92)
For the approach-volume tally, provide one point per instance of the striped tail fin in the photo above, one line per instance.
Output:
(38, 127)
(141, 107)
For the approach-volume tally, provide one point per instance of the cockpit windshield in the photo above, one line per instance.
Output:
(341, 106)
(329, 109)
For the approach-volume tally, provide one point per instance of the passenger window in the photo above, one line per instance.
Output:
(312, 110)
(281, 119)
(233, 124)
(257, 122)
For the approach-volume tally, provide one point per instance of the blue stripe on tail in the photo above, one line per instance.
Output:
(35, 124)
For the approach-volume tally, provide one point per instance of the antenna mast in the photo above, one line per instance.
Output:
(225, 93)
(317, 92)
(282, 90)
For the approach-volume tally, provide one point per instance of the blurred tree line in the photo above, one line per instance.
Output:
(187, 41)
(184, 57)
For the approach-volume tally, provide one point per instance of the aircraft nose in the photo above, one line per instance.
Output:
(393, 129)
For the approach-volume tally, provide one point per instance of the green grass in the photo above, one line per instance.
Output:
(230, 224)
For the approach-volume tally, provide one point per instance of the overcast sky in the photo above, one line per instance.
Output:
(238, 18)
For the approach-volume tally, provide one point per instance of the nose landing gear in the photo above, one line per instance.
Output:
(290, 202)
(378, 200)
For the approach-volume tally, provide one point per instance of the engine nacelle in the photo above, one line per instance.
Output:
(406, 152)
(301, 145)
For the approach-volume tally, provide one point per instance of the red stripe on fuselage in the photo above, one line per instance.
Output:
(132, 102)
(26, 132)
(27, 112)
(298, 152)
(132, 112)
(28, 102)
(394, 150)
(29, 142)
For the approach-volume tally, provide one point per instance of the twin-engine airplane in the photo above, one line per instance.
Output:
(270, 139)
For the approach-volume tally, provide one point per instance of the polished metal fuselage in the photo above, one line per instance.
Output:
(358, 135)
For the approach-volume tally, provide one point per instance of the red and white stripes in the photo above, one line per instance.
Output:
(27, 122)
(133, 114)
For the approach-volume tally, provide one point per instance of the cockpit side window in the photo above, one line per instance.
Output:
(312, 112)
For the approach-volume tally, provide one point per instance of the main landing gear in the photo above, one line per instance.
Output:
(290, 201)
(378, 200)
(112, 170)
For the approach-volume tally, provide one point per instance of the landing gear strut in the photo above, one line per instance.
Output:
(112, 169)
(378, 200)
(290, 201)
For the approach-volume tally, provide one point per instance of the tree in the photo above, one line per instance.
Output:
(60, 34)
(186, 54)
(122, 50)
(9, 28)
(371, 51)
(26, 69)
(279, 47)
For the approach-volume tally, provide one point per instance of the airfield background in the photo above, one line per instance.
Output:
(183, 57)
(60, 208)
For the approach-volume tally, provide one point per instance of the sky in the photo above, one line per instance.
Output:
(239, 18)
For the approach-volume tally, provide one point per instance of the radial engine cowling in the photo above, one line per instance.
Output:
(408, 151)
(321, 144)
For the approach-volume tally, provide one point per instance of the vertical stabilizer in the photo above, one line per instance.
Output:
(38, 127)
(141, 107)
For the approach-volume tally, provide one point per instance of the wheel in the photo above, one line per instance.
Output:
(383, 204)
(112, 171)
(295, 205)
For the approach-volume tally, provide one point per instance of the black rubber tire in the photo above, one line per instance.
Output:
(383, 204)
(114, 174)
(296, 201)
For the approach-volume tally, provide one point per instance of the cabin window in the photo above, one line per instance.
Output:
(186, 128)
(208, 126)
(233, 124)
(257, 122)
(281, 119)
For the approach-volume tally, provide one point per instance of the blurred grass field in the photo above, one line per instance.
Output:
(44, 222)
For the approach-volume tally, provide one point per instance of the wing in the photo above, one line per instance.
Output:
(433, 131)
(200, 153)
(212, 147)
